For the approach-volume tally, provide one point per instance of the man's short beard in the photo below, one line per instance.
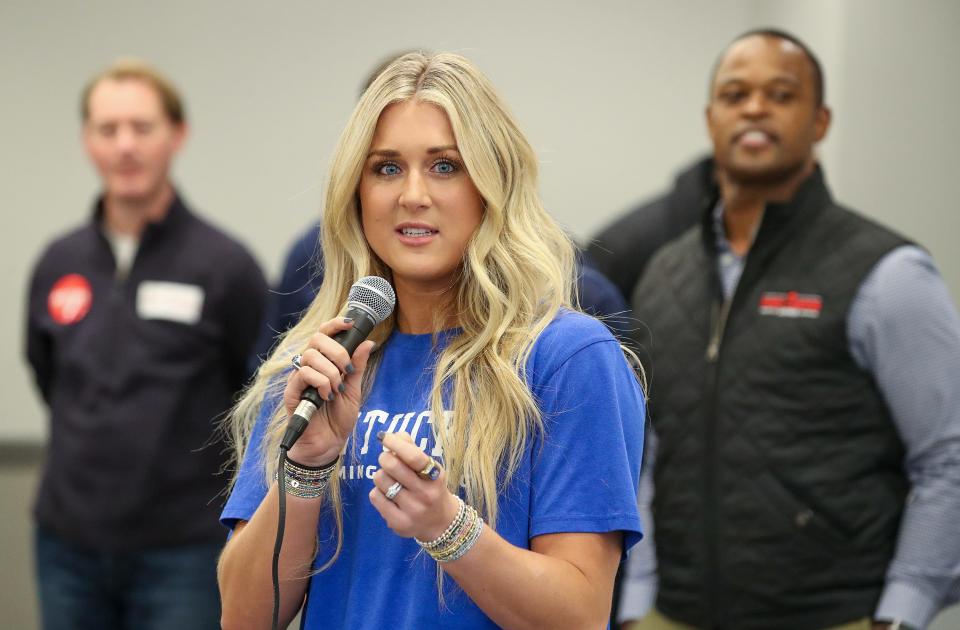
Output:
(765, 178)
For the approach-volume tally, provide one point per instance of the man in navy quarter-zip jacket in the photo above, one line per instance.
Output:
(802, 359)
(138, 327)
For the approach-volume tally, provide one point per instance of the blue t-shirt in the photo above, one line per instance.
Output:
(579, 475)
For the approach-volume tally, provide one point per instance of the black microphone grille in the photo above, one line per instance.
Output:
(374, 295)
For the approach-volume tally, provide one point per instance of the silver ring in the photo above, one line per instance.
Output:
(296, 361)
(393, 491)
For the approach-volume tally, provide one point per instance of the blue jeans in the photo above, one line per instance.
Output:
(172, 588)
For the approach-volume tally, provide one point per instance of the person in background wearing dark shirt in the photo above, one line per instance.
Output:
(139, 325)
(622, 250)
(803, 466)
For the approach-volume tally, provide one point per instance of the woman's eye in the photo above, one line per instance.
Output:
(444, 167)
(388, 169)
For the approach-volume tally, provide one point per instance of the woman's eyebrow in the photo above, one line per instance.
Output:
(393, 153)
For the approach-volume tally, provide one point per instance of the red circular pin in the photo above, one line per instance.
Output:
(70, 299)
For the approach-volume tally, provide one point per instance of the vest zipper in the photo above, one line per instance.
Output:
(720, 312)
(718, 321)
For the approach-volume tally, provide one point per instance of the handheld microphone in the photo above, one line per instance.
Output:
(370, 301)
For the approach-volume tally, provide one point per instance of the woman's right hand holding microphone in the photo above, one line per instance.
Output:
(325, 365)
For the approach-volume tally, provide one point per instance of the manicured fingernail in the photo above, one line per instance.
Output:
(347, 320)
(350, 368)
(330, 397)
(381, 435)
(342, 387)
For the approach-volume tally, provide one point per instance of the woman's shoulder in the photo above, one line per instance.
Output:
(570, 333)
(570, 325)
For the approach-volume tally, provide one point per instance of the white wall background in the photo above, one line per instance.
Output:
(610, 92)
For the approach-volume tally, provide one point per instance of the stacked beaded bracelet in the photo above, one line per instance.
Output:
(458, 538)
(306, 482)
(447, 535)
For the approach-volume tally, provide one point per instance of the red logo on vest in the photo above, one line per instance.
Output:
(791, 304)
(70, 299)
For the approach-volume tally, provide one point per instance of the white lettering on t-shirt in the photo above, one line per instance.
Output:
(376, 420)
(416, 429)
(374, 415)
(406, 421)
(358, 471)
(393, 423)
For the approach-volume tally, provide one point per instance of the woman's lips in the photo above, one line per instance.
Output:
(416, 235)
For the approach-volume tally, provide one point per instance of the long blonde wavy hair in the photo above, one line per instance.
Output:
(517, 272)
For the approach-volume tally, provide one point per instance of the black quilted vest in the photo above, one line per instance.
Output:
(779, 475)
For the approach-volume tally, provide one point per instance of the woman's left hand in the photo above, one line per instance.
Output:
(423, 508)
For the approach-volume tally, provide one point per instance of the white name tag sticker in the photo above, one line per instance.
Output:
(172, 301)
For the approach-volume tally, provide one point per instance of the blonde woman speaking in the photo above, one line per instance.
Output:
(475, 462)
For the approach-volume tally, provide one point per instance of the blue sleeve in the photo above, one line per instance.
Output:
(601, 298)
(251, 486)
(301, 279)
(585, 473)
(904, 328)
(638, 589)
(299, 284)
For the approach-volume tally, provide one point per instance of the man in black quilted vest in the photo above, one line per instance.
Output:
(804, 395)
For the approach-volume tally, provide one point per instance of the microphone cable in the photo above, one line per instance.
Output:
(278, 543)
